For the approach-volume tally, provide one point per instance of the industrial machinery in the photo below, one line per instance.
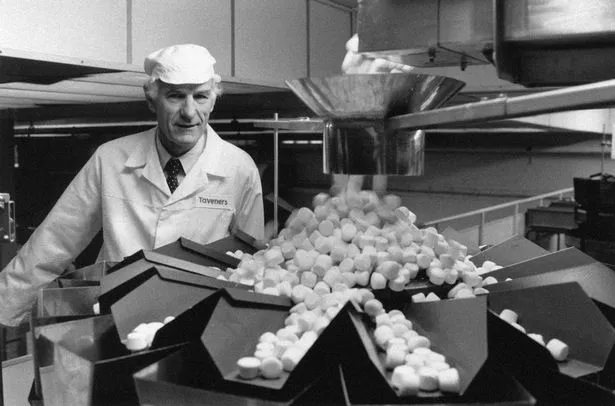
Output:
(529, 41)
(7, 219)
(356, 137)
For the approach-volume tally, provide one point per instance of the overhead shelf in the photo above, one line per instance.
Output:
(30, 79)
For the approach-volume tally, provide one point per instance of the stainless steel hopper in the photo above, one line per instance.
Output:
(355, 109)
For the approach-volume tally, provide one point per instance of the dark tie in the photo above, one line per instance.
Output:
(173, 168)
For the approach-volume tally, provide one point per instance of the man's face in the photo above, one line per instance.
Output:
(182, 112)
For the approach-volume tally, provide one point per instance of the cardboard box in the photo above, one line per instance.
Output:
(83, 362)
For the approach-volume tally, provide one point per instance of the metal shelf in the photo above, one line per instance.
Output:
(31, 79)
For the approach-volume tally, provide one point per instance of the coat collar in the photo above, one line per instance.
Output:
(145, 151)
(212, 161)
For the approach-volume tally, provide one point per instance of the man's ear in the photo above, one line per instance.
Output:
(213, 104)
(150, 104)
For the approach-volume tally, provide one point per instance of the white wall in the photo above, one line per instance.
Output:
(266, 41)
(160, 23)
(92, 29)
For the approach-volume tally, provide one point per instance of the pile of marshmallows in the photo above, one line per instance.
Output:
(407, 353)
(348, 245)
(558, 349)
(357, 240)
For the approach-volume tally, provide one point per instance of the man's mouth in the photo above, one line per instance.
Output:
(186, 125)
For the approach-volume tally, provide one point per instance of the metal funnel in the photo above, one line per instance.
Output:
(355, 108)
(374, 96)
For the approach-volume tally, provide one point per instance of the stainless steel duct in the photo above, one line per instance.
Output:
(356, 138)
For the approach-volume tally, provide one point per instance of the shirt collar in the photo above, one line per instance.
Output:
(188, 159)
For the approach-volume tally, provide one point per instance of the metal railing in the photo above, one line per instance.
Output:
(515, 205)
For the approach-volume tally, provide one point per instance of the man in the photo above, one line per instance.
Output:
(179, 179)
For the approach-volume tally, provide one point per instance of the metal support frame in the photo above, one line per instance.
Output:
(276, 168)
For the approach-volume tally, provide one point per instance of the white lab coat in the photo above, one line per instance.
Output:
(122, 189)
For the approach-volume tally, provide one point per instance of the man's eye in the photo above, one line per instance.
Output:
(174, 96)
(201, 96)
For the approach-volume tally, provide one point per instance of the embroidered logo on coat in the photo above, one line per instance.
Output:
(220, 202)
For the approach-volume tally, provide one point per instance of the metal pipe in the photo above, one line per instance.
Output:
(481, 229)
(594, 95)
(276, 162)
(500, 206)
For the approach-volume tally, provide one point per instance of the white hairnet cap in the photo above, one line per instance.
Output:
(179, 64)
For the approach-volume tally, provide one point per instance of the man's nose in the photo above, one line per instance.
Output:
(188, 109)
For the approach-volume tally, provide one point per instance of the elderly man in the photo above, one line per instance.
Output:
(179, 179)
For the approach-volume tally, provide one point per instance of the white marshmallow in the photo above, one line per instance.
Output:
(298, 308)
(428, 379)
(309, 279)
(249, 367)
(373, 307)
(415, 361)
(262, 354)
(312, 300)
(273, 291)
(274, 257)
(268, 337)
(382, 335)
(271, 368)
(489, 280)
(398, 284)
(136, 341)
(362, 278)
(395, 356)
(451, 293)
(320, 325)
(265, 346)
(464, 293)
(377, 281)
(448, 380)
(509, 316)
(416, 342)
(281, 346)
(432, 297)
(558, 349)
(291, 357)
